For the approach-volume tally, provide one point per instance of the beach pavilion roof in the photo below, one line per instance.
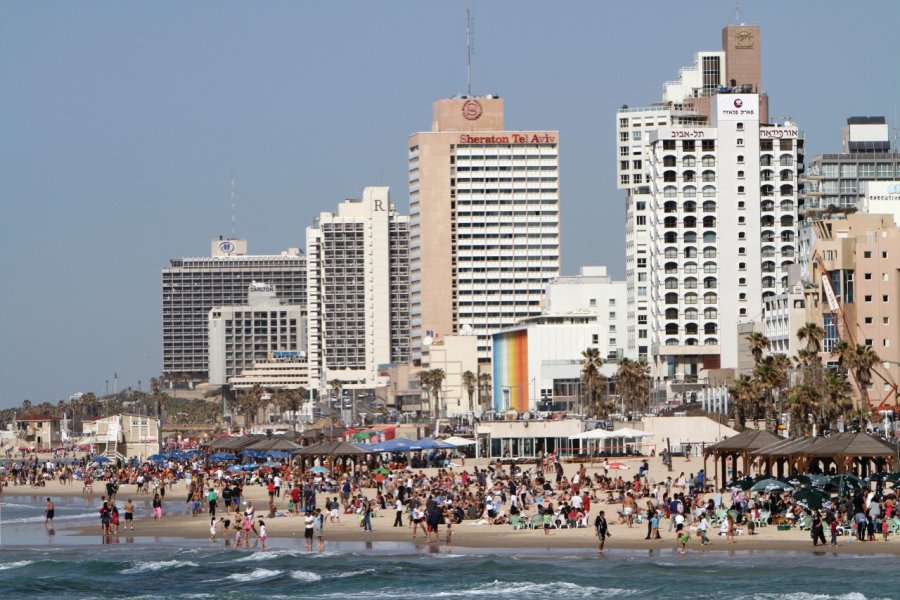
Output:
(749, 439)
(852, 444)
(236, 442)
(276, 442)
(331, 449)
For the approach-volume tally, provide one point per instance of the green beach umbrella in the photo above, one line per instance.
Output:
(381, 470)
(813, 480)
(812, 498)
(771, 485)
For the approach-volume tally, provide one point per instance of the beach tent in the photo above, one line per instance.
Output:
(459, 441)
(627, 432)
(430, 443)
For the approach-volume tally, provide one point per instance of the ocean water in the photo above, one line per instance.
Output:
(34, 564)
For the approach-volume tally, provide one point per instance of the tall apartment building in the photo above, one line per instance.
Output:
(358, 292)
(261, 329)
(686, 102)
(192, 286)
(484, 222)
(712, 205)
(841, 180)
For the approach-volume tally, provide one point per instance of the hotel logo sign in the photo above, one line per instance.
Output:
(743, 39)
(472, 110)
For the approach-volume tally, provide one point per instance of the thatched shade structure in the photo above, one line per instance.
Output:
(738, 446)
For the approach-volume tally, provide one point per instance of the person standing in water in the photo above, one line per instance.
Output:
(602, 528)
(49, 513)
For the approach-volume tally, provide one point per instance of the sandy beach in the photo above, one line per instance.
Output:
(468, 534)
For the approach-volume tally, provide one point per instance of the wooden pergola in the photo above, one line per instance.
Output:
(331, 451)
(737, 447)
(856, 453)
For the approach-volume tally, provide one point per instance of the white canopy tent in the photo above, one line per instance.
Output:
(602, 434)
(458, 441)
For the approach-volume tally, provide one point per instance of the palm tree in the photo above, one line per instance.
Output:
(759, 343)
(836, 401)
(469, 380)
(593, 381)
(771, 377)
(633, 384)
(437, 383)
(813, 335)
(251, 403)
(484, 389)
(743, 393)
(860, 362)
(289, 400)
(425, 385)
(802, 402)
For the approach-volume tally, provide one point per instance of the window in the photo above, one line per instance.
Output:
(885, 320)
(668, 144)
(635, 164)
(740, 159)
(884, 254)
(623, 137)
(642, 319)
(623, 164)
(636, 136)
(848, 170)
(612, 315)
(740, 141)
(868, 320)
(867, 298)
(740, 189)
(623, 122)
(612, 301)
(623, 179)
(884, 298)
(867, 254)
(642, 263)
(595, 339)
(740, 174)
(642, 291)
(623, 150)
(709, 145)
(884, 276)
(867, 276)
(592, 302)
(740, 126)
(641, 220)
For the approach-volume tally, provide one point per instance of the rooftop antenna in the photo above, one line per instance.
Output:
(232, 204)
(470, 48)
(737, 10)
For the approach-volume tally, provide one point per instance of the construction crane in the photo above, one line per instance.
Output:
(845, 332)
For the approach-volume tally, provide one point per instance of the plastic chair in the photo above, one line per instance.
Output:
(537, 521)
(515, 521)
(762, 520)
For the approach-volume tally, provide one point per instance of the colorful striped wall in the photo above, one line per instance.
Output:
(510, 365)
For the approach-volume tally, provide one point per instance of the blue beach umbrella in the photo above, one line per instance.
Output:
(156, 458)
(100, 460)
(318, 469)
(235, 468)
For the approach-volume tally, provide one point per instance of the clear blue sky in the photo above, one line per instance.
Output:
(122, 120)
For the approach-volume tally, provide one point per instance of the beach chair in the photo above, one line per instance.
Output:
(719, 516)
(516, 522)
(894, 526)
(763, 519)
(805, 522)
(537, 521)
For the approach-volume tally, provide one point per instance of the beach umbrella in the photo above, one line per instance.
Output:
(885, 477)
(813, 480)
(745, 483)
(771, 485)
(617, 466)
(156, 458)
(318, 469)
(811, 498)
(839, 483)
(100, 460)
(235, 468)
(381, 470)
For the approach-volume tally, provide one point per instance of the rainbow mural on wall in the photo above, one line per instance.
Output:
(510, 365)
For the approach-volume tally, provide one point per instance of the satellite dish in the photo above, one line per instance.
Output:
(466, 330)
(427, 340)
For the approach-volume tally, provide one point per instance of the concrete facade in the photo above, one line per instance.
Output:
(484, 221)
(358, 292)
(192, 286)
(454, 354)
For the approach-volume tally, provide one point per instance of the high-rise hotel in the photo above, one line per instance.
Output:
(358, 292)
(484, 222)
(712, 209)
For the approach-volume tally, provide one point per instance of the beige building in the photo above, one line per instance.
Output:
(454, 355)
(125, 436)
(39, 431)
(858, 254)
(484, 222)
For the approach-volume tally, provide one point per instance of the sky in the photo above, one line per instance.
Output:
(122, 122)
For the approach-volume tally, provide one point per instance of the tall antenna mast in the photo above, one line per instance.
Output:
(737, 11)
(470, 32)
(232, 204)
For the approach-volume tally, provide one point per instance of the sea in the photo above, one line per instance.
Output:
(35, 563)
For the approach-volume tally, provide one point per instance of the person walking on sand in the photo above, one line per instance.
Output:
(729, 530)
(602, 528)
(157, 507)
(683, 538)
(628, 508)
(817, 531)
(703, 527)
(49, 513)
